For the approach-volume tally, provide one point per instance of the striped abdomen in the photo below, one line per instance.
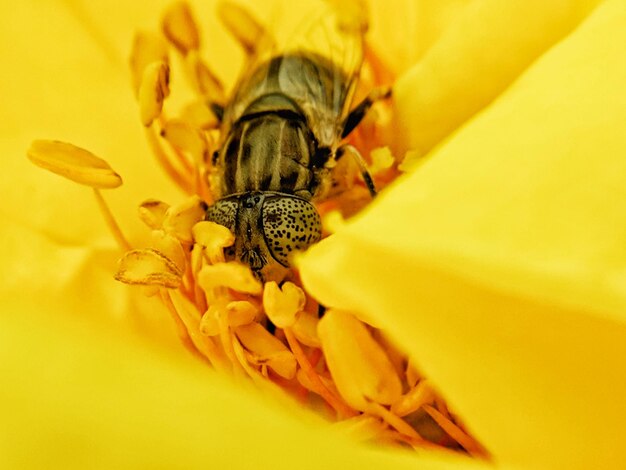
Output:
(269, 151)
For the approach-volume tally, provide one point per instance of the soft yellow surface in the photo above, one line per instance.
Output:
(73, 397)
(482, 52)
(92, 374)
(500, 263)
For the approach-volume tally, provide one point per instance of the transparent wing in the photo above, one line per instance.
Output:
(313, 56)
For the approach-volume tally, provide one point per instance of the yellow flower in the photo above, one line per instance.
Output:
(497, 264)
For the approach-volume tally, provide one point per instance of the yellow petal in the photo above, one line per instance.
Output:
(92, 396)
(74, 163)
(404, 36)
(499, 263)
(477, 57)
(104, 374)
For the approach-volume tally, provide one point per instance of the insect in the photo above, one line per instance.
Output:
(281, 135)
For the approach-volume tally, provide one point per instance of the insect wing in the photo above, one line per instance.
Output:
(315, 61)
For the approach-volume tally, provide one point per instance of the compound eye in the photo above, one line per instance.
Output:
(223, 212)
(289, 224)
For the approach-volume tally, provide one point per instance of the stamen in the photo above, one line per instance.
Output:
(83, 167)
(74, 163)
(170, 247)
(205, 81)
(282, 305)
(412, 375)
(152, 213)
(417, 397)
(180, 219)
(183, 138)
(195, 265)
(353, 15)
(188, 327)
(111, 222)
(241, 312)
(197, 114)
(177, 176)
(382, 159)
(180, 28)
(342, 409)
(183, 333)
(469, 444)
(148, 267)
(209, 325)
(147, 48)
(229, 342)
(360, 368)
(267, 349)
(393, 420)
(260, 379)
(191, 318)
(232, 275)
(243, 26)
(305, 330)
(361, 427)
(153, 90)
(214, 238)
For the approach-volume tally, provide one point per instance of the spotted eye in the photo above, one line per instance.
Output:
(289, 224)
(223, 212)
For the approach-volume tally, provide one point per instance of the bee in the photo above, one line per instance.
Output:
(282, 132)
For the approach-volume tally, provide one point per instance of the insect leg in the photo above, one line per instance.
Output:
(358, 158)
(217, 110)
(358, 113)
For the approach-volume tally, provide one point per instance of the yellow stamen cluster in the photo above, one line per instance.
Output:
(274, 334)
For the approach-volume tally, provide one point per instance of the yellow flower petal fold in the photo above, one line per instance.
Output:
(499, 264)
(480, 53)
(98, 399)
(404, 30)
(82, 396)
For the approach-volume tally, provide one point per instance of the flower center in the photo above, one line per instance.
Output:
(271, 332)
